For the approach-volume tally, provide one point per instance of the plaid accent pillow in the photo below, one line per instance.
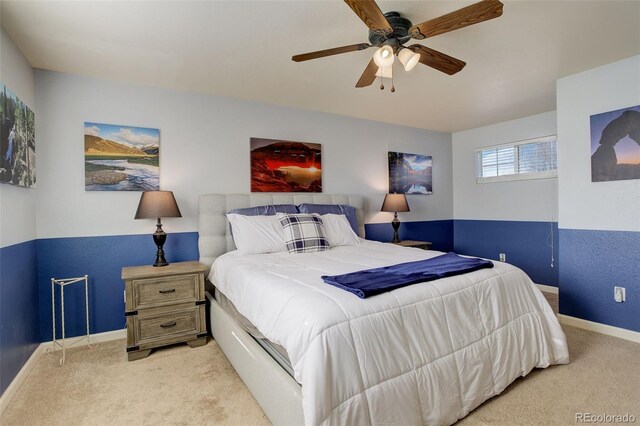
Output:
(303, 233)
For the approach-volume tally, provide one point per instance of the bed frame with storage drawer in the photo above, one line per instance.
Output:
(279, 395)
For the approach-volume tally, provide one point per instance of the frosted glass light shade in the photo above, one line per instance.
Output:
(384, 72)
(408, 59)
(384, 57)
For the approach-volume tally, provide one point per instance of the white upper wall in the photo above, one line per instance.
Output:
(204, 148)
(17, 205)
(523, 200)
(613, 205)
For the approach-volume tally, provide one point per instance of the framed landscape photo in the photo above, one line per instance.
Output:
(285, 166)
(17, 140)
(410, 173)
(615, 145)
(121, 158)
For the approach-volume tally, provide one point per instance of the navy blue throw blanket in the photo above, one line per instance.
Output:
(379, 280)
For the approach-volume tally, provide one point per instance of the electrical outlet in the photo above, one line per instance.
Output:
(503, 257)
(619, 294)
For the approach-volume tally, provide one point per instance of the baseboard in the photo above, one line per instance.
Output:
(20, 377)
(610, 330)
(95, 338)
(548, 288)
(24, 372)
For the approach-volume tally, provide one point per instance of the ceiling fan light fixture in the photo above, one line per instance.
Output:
(384, 57)
(408, 59)
(386, 72)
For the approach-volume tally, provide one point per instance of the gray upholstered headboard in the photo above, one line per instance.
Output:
(214, 233)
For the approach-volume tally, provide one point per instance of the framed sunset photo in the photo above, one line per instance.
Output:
(285, 166)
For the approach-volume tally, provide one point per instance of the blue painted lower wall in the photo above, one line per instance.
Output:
(102, 258)
(591, 264)
(19, 332)
(438, 232)
(526, 244)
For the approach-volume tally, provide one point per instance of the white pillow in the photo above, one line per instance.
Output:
(257, 234)
(338, 230)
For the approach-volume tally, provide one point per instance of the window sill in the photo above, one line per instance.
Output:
(524, 176)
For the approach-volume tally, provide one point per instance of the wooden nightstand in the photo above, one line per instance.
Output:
(164, 305)
(424, 245)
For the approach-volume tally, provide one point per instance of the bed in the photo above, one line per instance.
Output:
(423, 354)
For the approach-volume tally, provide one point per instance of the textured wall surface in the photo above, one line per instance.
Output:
(525, 200)
(511, 217)
(18, 267)
(599, 221)
(204, 148)
(613, 205)
(438, 232)
(593, 262)
(102, 258)
(526, 245)
(19, 332)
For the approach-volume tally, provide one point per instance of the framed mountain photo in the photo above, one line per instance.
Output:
(410, 173)
(121, 158)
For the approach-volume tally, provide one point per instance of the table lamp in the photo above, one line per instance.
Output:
(158, 204)
(395, 203)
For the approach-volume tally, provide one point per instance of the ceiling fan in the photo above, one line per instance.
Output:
(390, 31)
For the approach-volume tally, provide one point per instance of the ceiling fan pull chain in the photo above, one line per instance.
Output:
(381, 82)
(393, 88)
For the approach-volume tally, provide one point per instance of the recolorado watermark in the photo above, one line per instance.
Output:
(605, 418)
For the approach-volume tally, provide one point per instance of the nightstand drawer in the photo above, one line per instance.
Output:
(148, 292)
(164, 305)
(166, 325)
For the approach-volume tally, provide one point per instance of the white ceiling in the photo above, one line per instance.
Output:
(243, 49)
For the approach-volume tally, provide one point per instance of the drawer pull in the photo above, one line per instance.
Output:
(168, 324)
(173, 290)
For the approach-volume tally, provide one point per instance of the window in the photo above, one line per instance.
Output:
(529, 159)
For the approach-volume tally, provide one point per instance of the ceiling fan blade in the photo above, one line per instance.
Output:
(330, 52)
(479, 12)
(438, 60)
(371, 15)
(368, 76)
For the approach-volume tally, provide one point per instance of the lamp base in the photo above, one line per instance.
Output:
(395, 223)
(159, 238)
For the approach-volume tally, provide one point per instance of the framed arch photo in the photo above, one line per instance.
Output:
(615, 145)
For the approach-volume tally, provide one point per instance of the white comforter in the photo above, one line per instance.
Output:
(423, 354)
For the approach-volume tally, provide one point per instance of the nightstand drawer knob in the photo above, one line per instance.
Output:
(173, 290)
(168, 324)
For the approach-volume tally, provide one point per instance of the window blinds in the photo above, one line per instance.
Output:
(529, 159)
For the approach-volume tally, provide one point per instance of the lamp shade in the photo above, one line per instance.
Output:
(408, 58)
(156, 204)
(384, 72)
(395, 203)
(384, 57)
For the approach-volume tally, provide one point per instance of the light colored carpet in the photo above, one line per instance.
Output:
(177, 385)
(180, 386)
